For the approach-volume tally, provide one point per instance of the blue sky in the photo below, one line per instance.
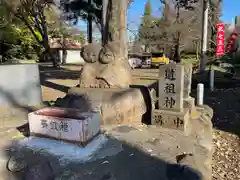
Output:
(230, 9)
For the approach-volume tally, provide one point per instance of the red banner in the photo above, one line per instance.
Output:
(230, 47)
(220, 40)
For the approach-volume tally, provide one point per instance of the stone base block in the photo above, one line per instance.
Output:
(171, 119)
(69, 125)
(190, 103)
(117, 106)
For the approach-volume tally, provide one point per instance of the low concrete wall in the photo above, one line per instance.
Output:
(20, 85)
(72, 57)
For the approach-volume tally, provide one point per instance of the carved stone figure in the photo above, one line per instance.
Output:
(90, 52)
(105, 67)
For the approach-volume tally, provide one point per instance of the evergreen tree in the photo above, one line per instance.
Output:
(145, 24)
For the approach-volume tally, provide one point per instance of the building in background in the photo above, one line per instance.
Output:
(66, 51)
(237, 20)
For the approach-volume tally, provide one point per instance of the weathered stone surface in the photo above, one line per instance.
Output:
(117, 106)
(170, 119)
(171, 81)
(69, 125)
(196, 156)
(201, 128)
(16, 163)
(171, 111)
(124, 107)
(88, 76)
(190, 103)
(154, 98)
(39, 171)
(90, 52)
(109, 70)
(187, 80)
(86, 99)
(141, 147)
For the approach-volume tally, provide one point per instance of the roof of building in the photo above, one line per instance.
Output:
(66, 44)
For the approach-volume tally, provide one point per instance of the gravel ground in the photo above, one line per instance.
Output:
(226, 135)
(226, 158)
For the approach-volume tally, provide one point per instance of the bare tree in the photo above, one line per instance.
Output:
(177, 27)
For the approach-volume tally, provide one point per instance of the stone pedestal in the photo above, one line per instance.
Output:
(116, 106)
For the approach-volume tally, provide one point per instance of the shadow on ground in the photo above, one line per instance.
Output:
(13, 103)
(224, 100)
(58, 73)
(225, 104)
(47, 73)
(129, 164)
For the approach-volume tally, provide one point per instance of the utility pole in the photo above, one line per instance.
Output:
(89, 20)
(204, 35)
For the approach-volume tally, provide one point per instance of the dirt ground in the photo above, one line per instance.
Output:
(56, 82)
(225, 102)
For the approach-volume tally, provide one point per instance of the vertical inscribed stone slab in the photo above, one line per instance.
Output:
(171, 87)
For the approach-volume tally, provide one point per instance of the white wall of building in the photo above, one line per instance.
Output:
(73, 57)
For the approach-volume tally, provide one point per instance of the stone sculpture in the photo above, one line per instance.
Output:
(105, 67)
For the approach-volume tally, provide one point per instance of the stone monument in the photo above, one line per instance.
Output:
(169, 110)
(105, 79)
(105, 67)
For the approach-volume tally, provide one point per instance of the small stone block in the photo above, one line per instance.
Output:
(69, 125)
(170, 119)
(190, 103)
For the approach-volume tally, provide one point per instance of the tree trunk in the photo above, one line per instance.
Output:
(46, 40)
(104, 28)
(112, 69)
(117, 23)
(177, 57)
(89, 19)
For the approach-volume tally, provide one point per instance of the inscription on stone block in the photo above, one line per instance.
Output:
(65, 124)
(60, 126)
(168, 120)
(171, 81)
